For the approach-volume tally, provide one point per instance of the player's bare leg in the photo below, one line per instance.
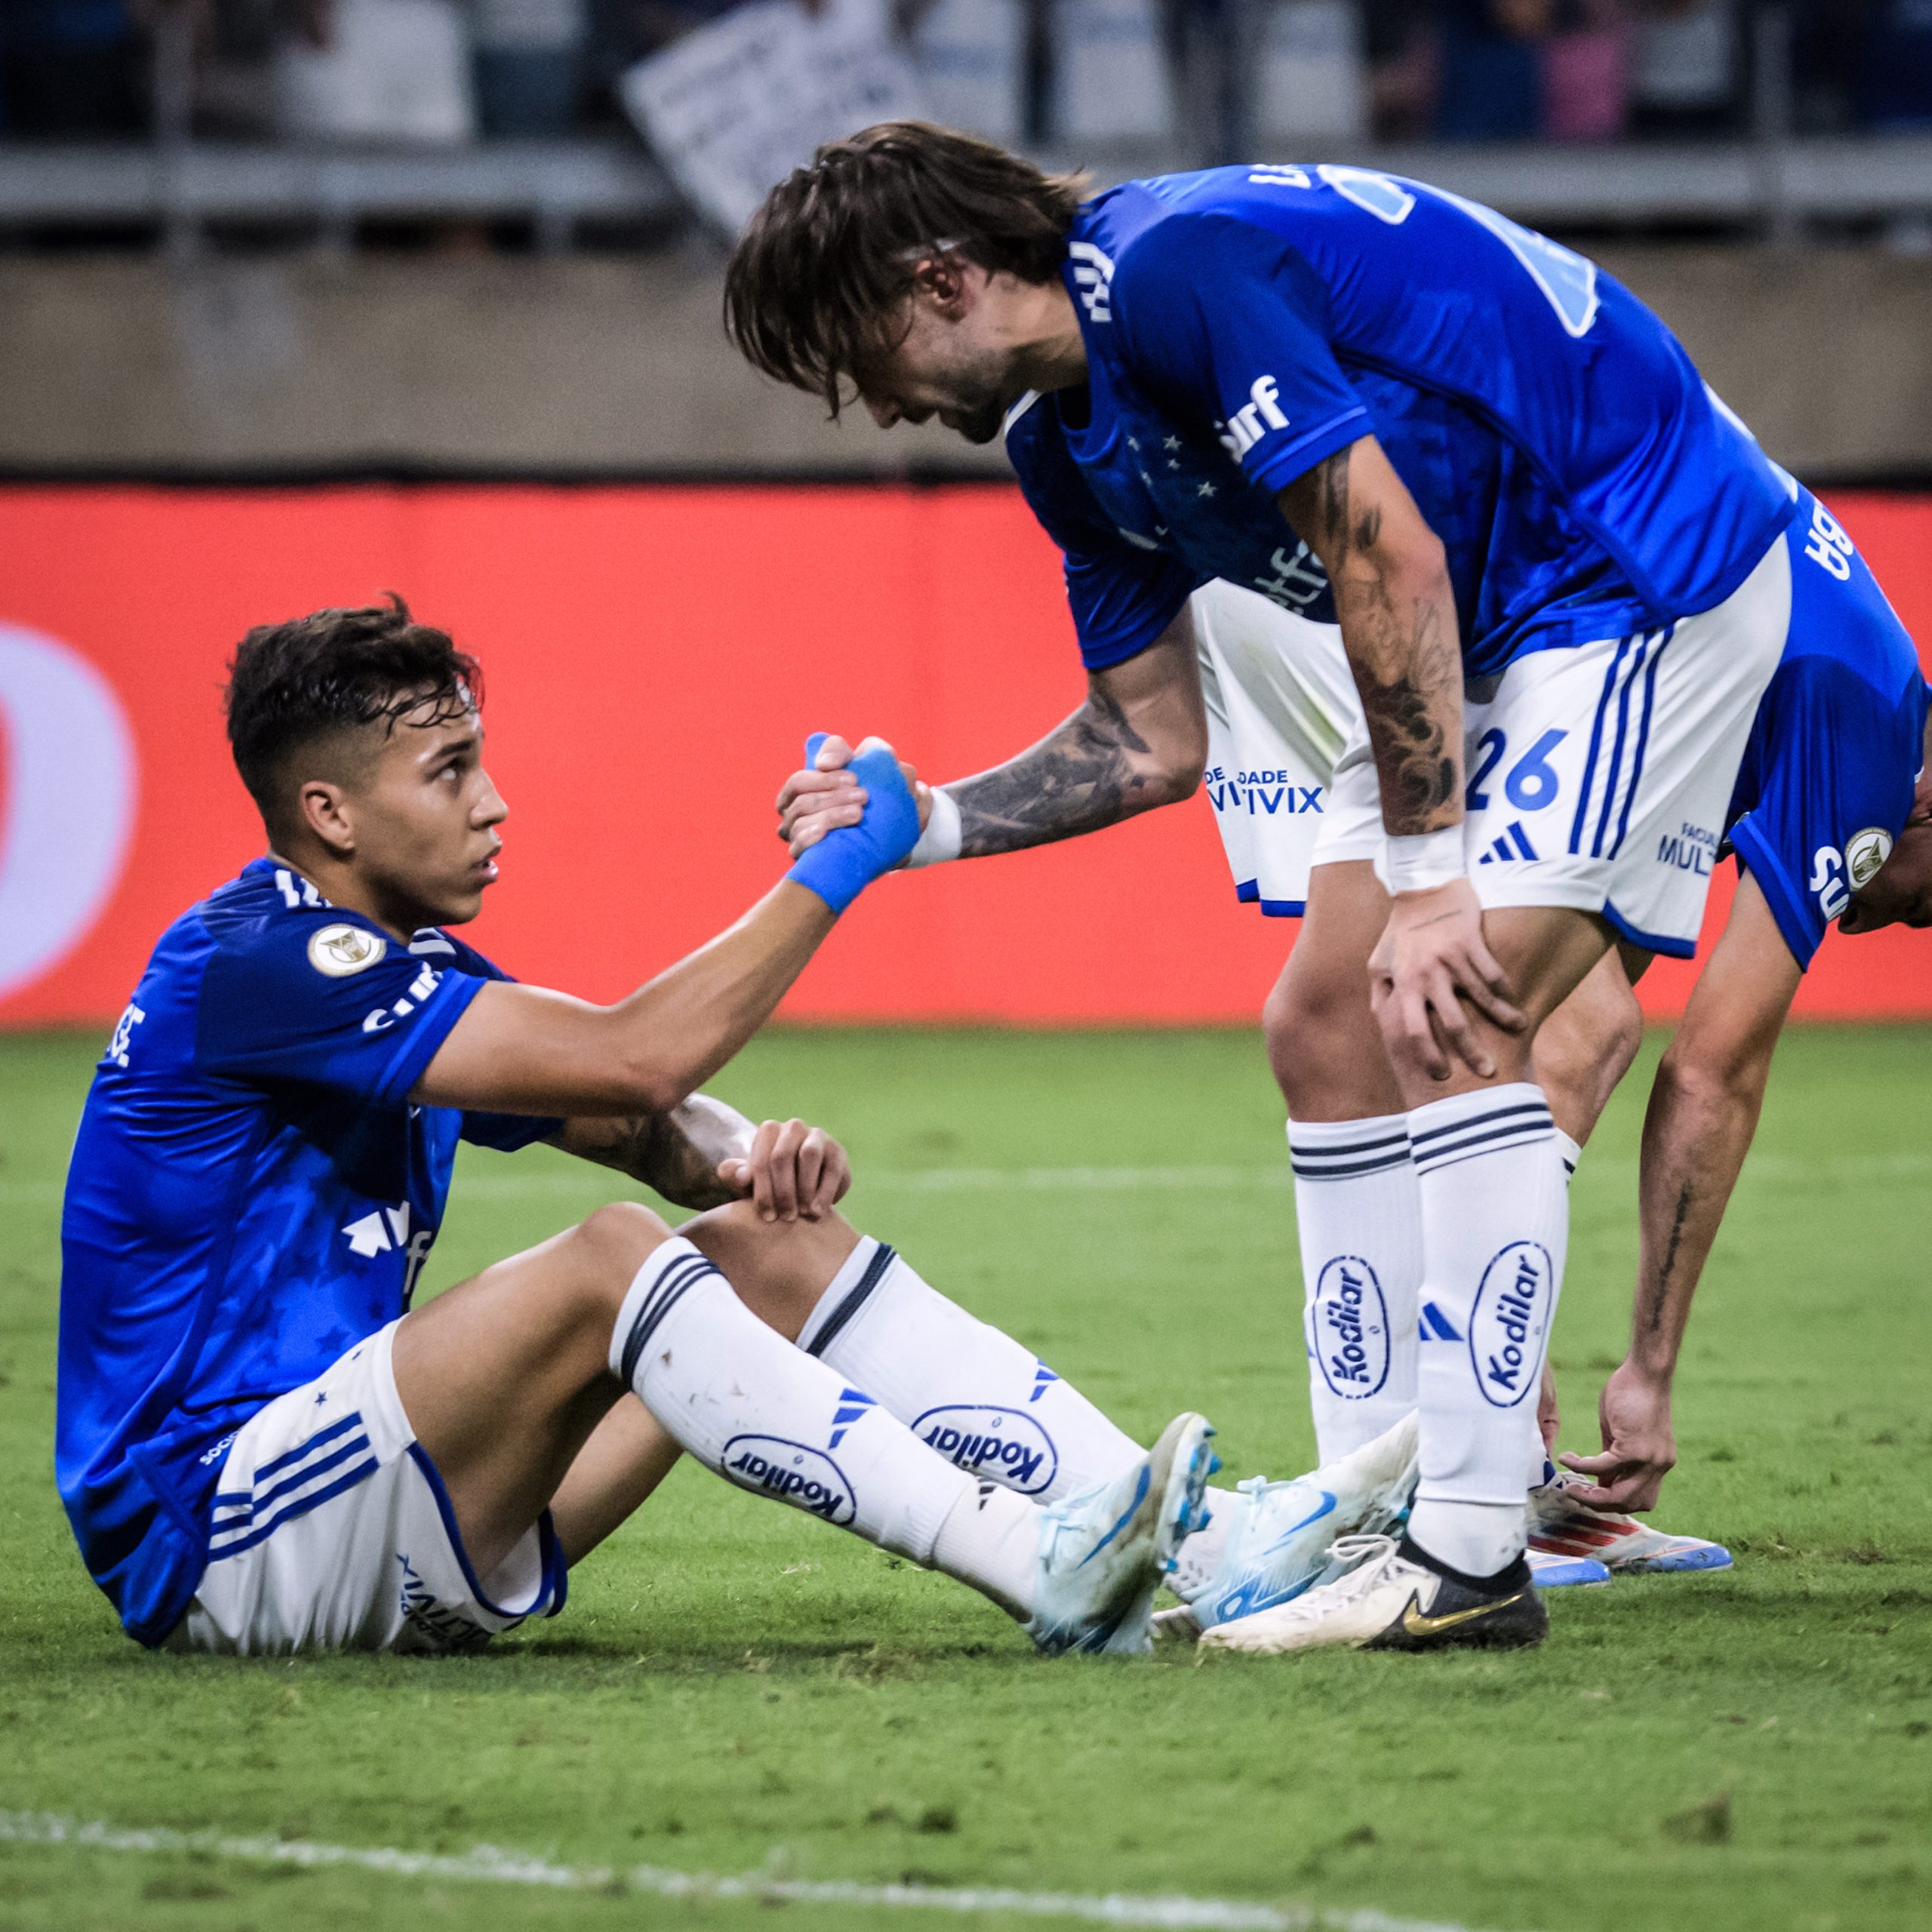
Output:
(1493, 1189)
(506, 1377)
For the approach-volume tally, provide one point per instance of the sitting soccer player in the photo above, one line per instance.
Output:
(261, 1448)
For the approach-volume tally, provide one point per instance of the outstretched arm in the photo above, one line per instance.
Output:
(521, 1050)
(1140, 740)
(1703, 1113)
(1397, 614)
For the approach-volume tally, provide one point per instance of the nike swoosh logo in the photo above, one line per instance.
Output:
(1428, 1627)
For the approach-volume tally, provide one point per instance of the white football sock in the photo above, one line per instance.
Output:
(974, 1395)
(1570, 1150)
(991, 1539)
(1359, 1214)
(1495, 1219)
(749, 1405)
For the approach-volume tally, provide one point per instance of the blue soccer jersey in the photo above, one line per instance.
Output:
(251, 1195)
(1244, 323)
(1836, 748)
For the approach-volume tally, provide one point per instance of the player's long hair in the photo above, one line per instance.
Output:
(293, 685)
(816, 285)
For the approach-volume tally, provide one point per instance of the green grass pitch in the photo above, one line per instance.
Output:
(734, 1687)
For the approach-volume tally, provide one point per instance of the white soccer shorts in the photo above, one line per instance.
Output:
(1281, 706)
(1598, 776)
(332, 1532)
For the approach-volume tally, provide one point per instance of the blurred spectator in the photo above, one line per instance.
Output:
(1895, 69)
(71, 69)
(1403, 47)
(529, 64)
(1687, 76)
(1586, 72)
(1491, 76)
(379, 72)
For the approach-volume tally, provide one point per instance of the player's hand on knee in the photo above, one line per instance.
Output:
(793, 1171)
(1431, 960)
(1639, 1445)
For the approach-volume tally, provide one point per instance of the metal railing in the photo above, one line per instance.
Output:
(1766, 181)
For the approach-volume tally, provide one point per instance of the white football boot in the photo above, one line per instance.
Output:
(1561, 1527)
(1388, 1600)
(1103, 1553)
(1279, 1533)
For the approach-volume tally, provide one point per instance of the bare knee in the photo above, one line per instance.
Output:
(780, 1269)
(1324, 1048)
(608, 1248)
(1587, 1046)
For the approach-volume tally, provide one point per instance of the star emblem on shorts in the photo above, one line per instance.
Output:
(1172, 464)
(1171, 443)
(1205, 490)
(1133, 442)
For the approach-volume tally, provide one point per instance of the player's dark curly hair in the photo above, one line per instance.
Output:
(292, 684)
(815, 284)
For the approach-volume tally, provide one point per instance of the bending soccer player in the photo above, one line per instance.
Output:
(262, 1447)
(1545, 540)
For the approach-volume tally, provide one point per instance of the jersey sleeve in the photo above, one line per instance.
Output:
(506, 1133)
(1226, 323)
(1839, 762)
(324, 999)
(1122, 596)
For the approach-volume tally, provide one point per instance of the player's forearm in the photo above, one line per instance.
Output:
(1396, 610)
(524, 1050)
(1401, 638)
(1094, 771)
(1697, 1131)
(677, 1030)
(677, 1154)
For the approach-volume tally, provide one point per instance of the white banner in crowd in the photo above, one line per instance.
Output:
(731, 109)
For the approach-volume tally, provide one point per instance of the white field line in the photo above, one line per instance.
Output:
(487, 1865)
(1781, 1169)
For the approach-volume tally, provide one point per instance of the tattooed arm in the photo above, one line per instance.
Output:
(1140, 740)
(1432, 976)
(1703, 1111)
(704, 1154)
(1398, 615)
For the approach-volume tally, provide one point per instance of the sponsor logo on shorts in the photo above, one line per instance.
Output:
(1509, 1321)
(1690, 849)
(1350, 1342)
(337, 950)
(1006, 1445)
(1261, 794)
(436, 1626)
(808, 1479)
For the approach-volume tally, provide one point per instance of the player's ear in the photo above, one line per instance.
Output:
(324, 810)
(942, 280)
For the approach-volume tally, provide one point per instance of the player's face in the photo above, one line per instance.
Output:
(1901, 894)
(956, 360)
(425, 820)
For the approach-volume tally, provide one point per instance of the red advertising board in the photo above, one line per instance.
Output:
(653, 656)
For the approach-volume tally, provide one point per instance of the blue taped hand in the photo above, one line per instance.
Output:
(846, 861)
